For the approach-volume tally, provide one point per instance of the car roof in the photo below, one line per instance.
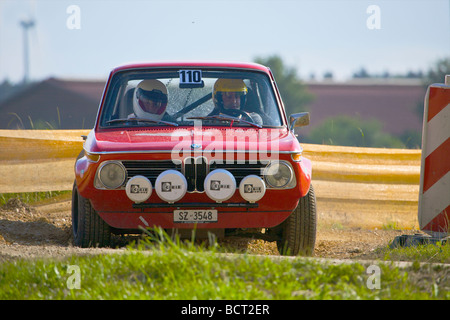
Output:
(193, 64)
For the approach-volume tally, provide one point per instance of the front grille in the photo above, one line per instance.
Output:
(150, 169)
(189, 173)
(241, 170)
(194, 169)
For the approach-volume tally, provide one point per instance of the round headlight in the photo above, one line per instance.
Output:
(278, 174)
(112, 174)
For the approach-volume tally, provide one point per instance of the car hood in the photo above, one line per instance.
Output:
(192, 139)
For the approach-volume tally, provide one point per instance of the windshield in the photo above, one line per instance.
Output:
(180, 97)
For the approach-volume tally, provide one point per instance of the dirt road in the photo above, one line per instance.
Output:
(363, 196)
(45, 231)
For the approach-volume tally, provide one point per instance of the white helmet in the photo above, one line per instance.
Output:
(150, 100)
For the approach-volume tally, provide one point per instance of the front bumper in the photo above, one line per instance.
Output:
(117, 210)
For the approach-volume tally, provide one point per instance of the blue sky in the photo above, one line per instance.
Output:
(312, 36)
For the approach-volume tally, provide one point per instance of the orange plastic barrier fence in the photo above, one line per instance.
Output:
(42, 160)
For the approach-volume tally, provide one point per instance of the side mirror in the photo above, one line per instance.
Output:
(298, 120)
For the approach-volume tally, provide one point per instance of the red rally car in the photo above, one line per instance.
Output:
(194, 145)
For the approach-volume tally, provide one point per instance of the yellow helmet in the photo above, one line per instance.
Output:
(228, 85)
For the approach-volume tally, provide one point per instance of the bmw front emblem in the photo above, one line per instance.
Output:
(195, 146)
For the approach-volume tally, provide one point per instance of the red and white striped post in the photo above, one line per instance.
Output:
(434, 195)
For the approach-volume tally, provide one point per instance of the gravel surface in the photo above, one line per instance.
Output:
(45, 231)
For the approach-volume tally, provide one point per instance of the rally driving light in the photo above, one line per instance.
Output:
(220, 185)
(171, 186)
(138, 189)
(112, 174)
(252, 188)
(278, 174)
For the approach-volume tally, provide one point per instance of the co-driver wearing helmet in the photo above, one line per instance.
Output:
(229, 96)
(150, 101)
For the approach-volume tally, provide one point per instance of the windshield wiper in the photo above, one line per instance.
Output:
(224, 117)
(142, 120)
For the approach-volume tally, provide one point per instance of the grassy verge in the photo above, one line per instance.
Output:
(35, 198)
(168, 270)
(431, 253)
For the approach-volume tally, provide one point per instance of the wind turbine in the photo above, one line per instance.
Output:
(26, 24)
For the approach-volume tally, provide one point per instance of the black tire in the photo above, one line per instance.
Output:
(298, 231)
(88, 228)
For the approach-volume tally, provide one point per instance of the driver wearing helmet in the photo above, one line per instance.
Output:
(150, 101)
(229, 97)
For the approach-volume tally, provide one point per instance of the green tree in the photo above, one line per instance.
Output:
(349, 131)
(293, 91)
(437, 73)
(411, 139)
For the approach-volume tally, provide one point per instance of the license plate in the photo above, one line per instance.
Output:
(194, 216)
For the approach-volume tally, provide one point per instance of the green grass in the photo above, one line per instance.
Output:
(391, 225)
(432, 253)
(159, 268)
(167, 270)
(35, 197)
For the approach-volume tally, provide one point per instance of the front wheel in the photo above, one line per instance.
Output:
(298, 231)
(89, 229)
